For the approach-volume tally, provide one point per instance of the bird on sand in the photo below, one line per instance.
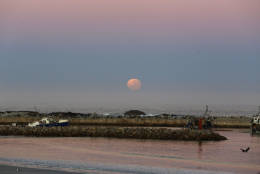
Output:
(245, 150)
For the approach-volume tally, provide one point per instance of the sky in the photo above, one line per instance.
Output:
(81, 53)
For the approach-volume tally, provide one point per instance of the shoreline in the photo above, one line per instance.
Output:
(9, 169)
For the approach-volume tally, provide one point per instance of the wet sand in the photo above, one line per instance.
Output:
(5, 169)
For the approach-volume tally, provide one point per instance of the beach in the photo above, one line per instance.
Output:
(5, 169)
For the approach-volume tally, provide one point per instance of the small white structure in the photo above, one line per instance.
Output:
(63, 121)
(256, 120)
(34, 124)
(255, 123)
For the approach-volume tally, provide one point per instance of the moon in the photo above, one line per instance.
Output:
(134, 84)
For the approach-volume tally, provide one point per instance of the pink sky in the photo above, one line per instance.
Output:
(146, 17)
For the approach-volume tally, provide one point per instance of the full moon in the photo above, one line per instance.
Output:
(134, 84)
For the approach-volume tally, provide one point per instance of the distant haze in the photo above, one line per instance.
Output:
(79, 54)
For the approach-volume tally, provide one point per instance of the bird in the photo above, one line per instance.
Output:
(17, 169)
(245, 150)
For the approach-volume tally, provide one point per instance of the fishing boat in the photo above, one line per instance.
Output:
(49, 122)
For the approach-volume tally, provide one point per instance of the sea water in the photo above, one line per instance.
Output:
(111, 155)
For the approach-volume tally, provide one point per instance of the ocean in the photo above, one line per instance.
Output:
(113, 156)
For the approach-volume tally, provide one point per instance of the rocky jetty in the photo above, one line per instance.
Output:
(116, 132)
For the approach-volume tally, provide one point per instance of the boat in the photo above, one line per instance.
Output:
(255, 123)
(49, 122)
(201, 122)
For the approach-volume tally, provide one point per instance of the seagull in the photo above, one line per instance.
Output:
(245, 150)
(17, 169)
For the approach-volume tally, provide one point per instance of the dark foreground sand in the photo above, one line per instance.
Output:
(4, 169)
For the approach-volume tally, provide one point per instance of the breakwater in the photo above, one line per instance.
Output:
(116, 132)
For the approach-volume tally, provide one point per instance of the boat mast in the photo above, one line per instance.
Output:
(206, 113)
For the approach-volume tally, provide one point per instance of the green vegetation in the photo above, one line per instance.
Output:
(134, 113)
(77, 119)
(125, 121)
